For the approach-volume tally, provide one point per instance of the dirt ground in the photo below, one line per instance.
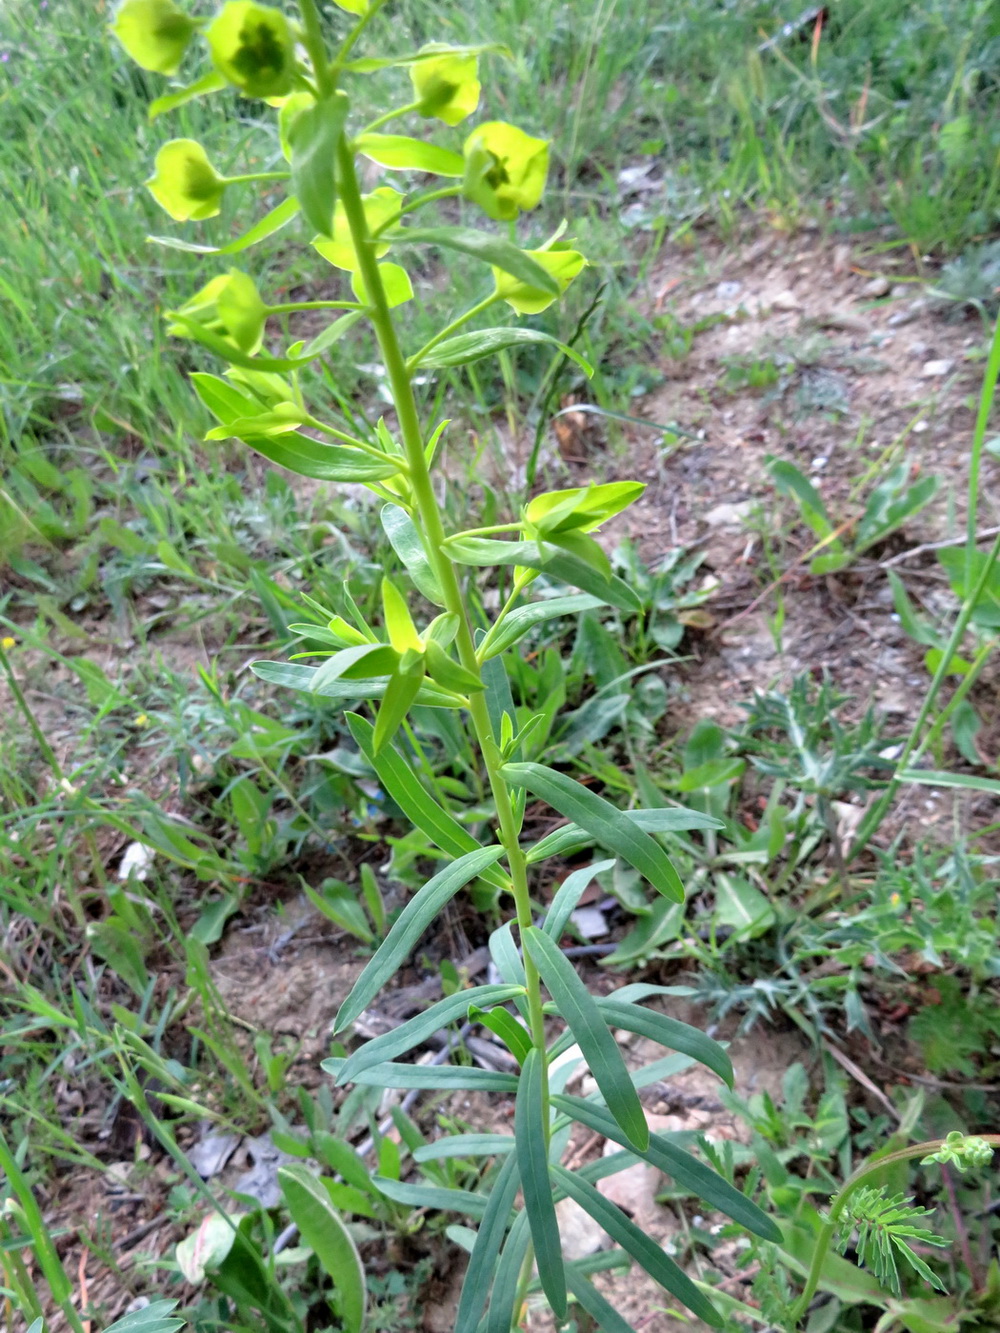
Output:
(865, 361)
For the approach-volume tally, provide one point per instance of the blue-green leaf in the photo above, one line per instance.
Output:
(605, 823)
(485, 246)
(456, 1078)
(604, 1315)
(489, 1239)
(531, 1136)
(569, 894)
(294, 676)
(515, 625)
(444, 1200)
(405, 541)
(669, 1032)
(465, 1145)
(572, 838)
(408, 928)
(579, 1010)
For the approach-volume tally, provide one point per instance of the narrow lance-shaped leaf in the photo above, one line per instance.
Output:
(456, 1078)
(485, 246)
(489, 1238)
(531, 1136)
(668, 1032)
(646, 1251)
(466, 348)
(602, 1312)
(408, 928)
(433, 1196)
(314, 136)
(605, 823)
(578, 1008)
(569, 894)
(502, 1316)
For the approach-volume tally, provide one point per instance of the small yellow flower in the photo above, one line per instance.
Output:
(140, 720)
(253, 47)
(446, 85)
(7, 643)
(895, 899)
(185, 184)
(155, 33)
(505, 169)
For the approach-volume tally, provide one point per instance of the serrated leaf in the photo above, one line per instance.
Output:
(489, 1239)
(417, 1029)
(531, 1137)
(691, 1174)
(643, 1249)
(579, 1010)
(324, 1232)
(408, 929)
(314, 136)
(605, 823)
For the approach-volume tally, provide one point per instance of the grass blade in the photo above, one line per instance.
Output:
(604, 822)
(599, 1047)
(416, 916)
(643, 1249)
(531, 1138)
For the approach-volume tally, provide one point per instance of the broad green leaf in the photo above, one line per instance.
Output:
(208, 83)
(489, 1238)
(571, 837)
(484, 245)
(419, 807)
(315, 136)
(604, 822)
(267, 226)
(155, 33)
(563, 263)
(398, 621)
(405, 541)
(409, 927)
(570, 891)
(454, 1078)
(643, 1249)
(741, 905)
(531, 1137)
(398, 152)
(395, 283)
(512, 1033)
(691, 1174)
(445, 1200)
(515, 625)
(791, 482)
(465, 348)
(184, 183)
(668, 1032)
(341, 906)
(358, 662)
(446, 85)
(323, 462)
(417, 1029)
(502, 1316)
(324, 1232)
(452, 675)
(294, 676)
(153, 1318)
(465, 1145)
(604, 1315)
(579, 1010)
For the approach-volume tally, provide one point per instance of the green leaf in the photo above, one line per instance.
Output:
(408, 928)
(405, 541)
(332, 333)
(315, 136)
(482, 245)
(358, 662)
(931, 778)
(502, 1316)
(419, 807)
(466, 1145)
(569, 894)
(208, 83)
(643, 1249)
(489, 1239)
(791, 482)
(294, 676)
(741, 905)
(465, 348)
(228, 351)
(571, 837)
(579, 573)
(604, 822)
(691, 1174)
(154, 1318)
(668, 1032)
(515, 625)
(417, 1029)
(398, 152)
(455, 1078)
(576, 1006)
(267, 226)
(604, 1315)
(445, 1200)
(531, 1137)
(323, 1231)
(400, 694)
(340, 904)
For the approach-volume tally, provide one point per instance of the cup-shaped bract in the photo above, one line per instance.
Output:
(185, 183)
(155, 33)
(253, 48)
(229, 306)
(505, 169)
(563, 263)
(446, 85)
(381, 206)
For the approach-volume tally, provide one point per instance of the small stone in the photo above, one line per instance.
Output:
(918, 348)
(786, 300)
(920, 427)
(729, 515)
(819, 462)
(848, 320)
(934, 369)
(579, 1234)
(633, 1189)
(900, 317)
(728, 291)
(900, 291)
(590, 922)
(877, 287)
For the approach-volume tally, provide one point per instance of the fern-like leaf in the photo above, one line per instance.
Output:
(885, 1226)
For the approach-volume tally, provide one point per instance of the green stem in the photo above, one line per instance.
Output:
(349, 41)
(870, 1167)
(357, 444)
(976, 454)
(258, 176)
(290, 307)
(426, 504)
(48, 754)
(326, 83)
(414, 361)
(390, 115)
(445, 192)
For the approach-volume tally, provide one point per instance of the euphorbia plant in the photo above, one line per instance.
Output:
(453, 661)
